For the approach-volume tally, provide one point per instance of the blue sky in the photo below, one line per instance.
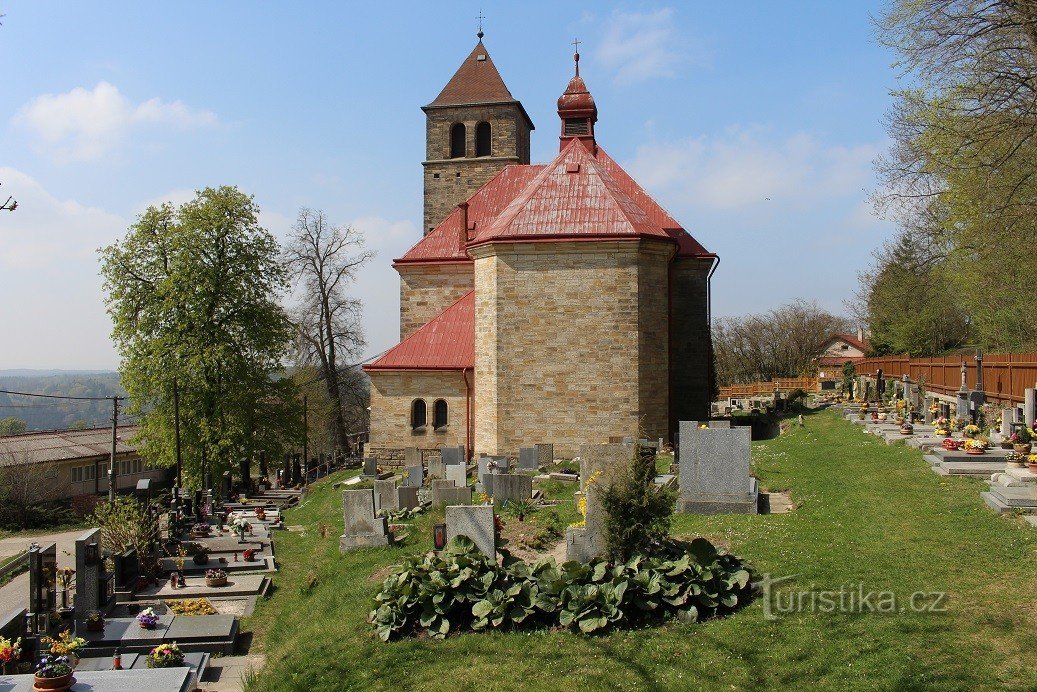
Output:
(108, 107)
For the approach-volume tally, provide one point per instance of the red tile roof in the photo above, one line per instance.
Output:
(852, 340)
(447, 342)
(476, 81)
(443, 244)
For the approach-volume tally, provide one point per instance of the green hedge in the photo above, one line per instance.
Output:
(461, 589)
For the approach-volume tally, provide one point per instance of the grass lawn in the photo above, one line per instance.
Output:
(869, 514)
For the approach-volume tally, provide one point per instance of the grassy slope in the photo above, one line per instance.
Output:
(870, 513)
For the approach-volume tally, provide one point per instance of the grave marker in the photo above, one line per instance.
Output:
(370, 467)
(385, 496)
(714, 471)
(362, 528)
(475, 522)
(406, 497)
(448, 494)
(512, 486)
(528, 459)
(412, 456)
(415, 476)
(545, 454)
(600, 467)
(452, 455)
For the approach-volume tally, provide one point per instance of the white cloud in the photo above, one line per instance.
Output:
(643, 45)
(742, 167)
(83, 125)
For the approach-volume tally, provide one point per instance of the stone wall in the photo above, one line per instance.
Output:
(448, 182)
(571, 343)
(691, 346)
(428, 289)
(393, 392)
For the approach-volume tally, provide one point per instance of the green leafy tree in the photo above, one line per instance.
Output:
(12, 426)
(194, 296)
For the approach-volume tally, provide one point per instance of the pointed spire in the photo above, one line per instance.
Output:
(476, 81)
(480, 33)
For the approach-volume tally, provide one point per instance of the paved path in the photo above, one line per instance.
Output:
(15, 594)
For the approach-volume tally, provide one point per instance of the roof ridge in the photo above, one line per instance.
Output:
(471, 84)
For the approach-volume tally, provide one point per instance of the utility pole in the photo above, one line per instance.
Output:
(112, 468)
(176, 426)
(305, 437)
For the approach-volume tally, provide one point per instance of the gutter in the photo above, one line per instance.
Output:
(468, 413)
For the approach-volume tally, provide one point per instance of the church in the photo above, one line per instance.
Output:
(553, 302)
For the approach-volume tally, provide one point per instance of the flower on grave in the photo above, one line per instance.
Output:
(241, 524)
(166, 656)
(215, 574)
(10, 651)
(65, 577)
(53, 666)
(1031, 459)
(971, 429)
(147, 619)
(934, 408)
(248, 555)
(485, 498)
(65, 645)
(703, 426)
(581, 505)
(974, 444)
(95, 617)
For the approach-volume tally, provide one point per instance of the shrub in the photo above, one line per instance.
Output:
(637, 512)
(462, 589)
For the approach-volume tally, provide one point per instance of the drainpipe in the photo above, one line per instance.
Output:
(709, 325)
(463, 206)
(467, 414)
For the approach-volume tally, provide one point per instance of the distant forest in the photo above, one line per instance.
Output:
(54, 414)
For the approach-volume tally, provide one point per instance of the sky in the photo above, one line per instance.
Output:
(755, 124)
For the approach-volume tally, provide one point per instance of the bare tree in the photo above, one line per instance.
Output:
(780, 343)
(25, 484)
(324, 259)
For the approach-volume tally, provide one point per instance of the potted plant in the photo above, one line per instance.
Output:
(1031, 462)
(240, 525)
(10, 653)
(1022, 441)
(200, 530)
(147, 619)
(166, 656)
(201, 555)
(248, 555)
(54, 672)
(1016, 461)
(95, 622)
(215, 578)
(970, 431)
(907, 429)
(943, 426)
(66, 645)
(975, 447)
(260, 513)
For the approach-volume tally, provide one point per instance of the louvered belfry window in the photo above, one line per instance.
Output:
(576, 126)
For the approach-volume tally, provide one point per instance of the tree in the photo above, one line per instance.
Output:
(781, 343)
(12, 426)
(194, 296)
(324, 259)
(961, 169)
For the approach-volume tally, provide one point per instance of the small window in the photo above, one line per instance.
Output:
(418, 414)
(482, 139)
(77, 474)
(844, 347)
(439, 414)
(457, 143)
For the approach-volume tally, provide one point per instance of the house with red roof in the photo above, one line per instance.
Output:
(840, 349)
(553, 302)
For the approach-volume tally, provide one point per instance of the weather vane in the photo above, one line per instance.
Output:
(576, 55)
(481, 17)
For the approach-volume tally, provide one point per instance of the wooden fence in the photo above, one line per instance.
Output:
(1005, 375)
(741, 391)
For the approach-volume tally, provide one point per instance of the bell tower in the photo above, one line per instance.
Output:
(473, 129)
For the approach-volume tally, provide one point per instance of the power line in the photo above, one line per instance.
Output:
(62, 396)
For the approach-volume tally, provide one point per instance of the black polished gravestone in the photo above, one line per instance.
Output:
(296, 469)
(227, 487)
(245, 471)
(263, 470)
(127, 569)
(43, 565)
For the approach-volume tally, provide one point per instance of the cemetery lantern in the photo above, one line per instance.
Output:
(439, 536)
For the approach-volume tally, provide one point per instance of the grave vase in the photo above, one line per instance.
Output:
(54, 684)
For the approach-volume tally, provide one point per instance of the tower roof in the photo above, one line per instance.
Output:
(476, 81)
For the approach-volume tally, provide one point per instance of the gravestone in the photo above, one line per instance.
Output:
(415, 476)
(1029, 406)
(245, 471)
(263, 470)
(475, 522)
(446, 493)
(385, 496)
(43, 564)
(370, 467)
(545, 454)
(88, 575)
(714, 471)
(928, 414)
(528, 459)
(452, 455)
(1006, 422)
(436, 468)
(710, 423)
(512, 486)
(362, 528)
(412, 456)
(406, 497)
(297, 470)
(458, 474)
(226, 486)
(600, 467)
(127, 569)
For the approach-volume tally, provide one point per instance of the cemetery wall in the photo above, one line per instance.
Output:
(571, 343)
(393, 392)
(428, 289)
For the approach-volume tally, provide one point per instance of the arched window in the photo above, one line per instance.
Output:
(482, 139)
(418, 414)
(457, 144)
(439, 417)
